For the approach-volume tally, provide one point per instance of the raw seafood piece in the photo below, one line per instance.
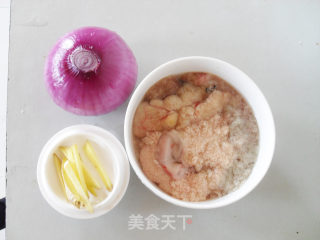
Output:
(169, 154)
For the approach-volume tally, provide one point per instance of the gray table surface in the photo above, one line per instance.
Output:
(277, 43)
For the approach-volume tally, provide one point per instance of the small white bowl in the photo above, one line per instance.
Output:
(111, 154)
(249, 91)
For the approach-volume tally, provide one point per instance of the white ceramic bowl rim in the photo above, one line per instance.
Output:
(249, 91)
(121, 166)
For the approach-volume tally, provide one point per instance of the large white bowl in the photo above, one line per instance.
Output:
(249, 91)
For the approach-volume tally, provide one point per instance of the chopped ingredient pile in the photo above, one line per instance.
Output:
(77, 183)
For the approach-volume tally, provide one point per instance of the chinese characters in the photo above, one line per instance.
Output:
(152, 222)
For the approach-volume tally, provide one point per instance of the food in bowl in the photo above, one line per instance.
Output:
(195, 136)
(78, 183)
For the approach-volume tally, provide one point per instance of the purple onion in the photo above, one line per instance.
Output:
(90, 71)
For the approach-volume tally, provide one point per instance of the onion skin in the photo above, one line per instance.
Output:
(90, 71)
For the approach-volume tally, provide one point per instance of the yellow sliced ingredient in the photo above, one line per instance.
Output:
(92, 190)
(68, 182)
(89, 151)
(71, 192)
(76, 185)
(67, 152)
(79, 167)
(57, 163)
(90, 180)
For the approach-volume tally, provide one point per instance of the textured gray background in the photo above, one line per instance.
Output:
(276, 42)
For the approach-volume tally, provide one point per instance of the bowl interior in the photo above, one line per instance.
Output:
(102, 150)
(243, 84)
